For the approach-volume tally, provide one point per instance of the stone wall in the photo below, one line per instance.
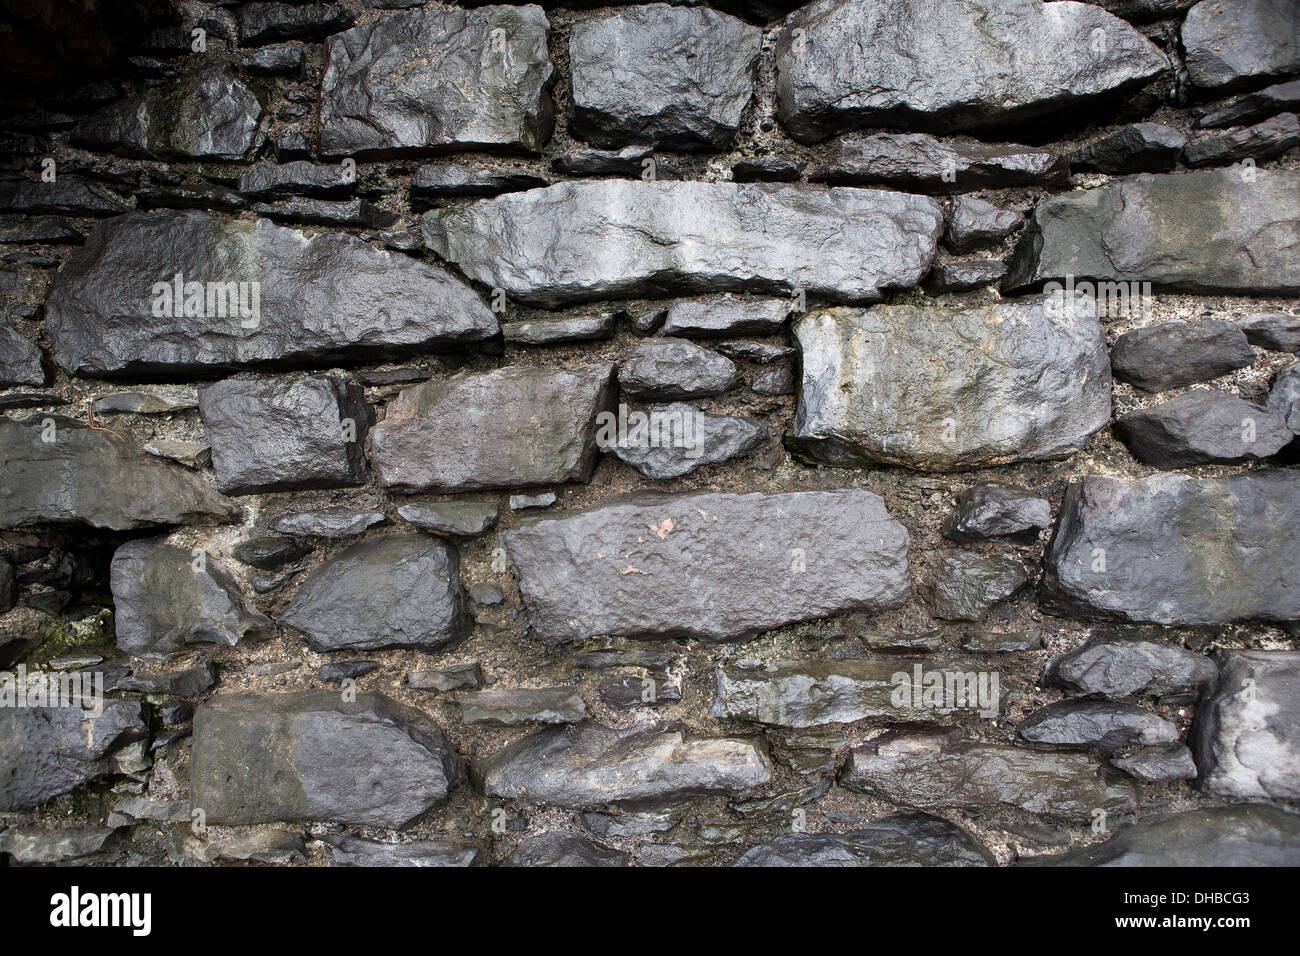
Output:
(656, 435)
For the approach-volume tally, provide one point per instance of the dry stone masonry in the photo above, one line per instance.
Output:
(737, 432)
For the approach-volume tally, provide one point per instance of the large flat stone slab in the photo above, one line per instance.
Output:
(666, 238)
(1177, 550)
(713, 566)
(1215, 230)
(321, 298)
(941, 389)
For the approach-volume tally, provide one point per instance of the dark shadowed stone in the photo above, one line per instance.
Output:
(438, 78)
(324, 212)
(464, 518)
(655, 660)
(515, 427)
(764, 353)
(1158, 764)
(1206, 231)
(357, 851)
(338, 521)
(294, 179)
(165, 601)
(681, 77)
(958, 388)
(812, 693)
(279, 60)
(209, 115)
(677, 439)
(767, 169)
(1279, 331)
(962, 275)
(974, 222)
(46, 751)
(963, 585)
(399, 590)
(434, 182)
(949, 64)
(922, 162)
(20, 359)
(269, 551)
(994, 510)
(606, 825)
(32, 230)
(69, 195)
(1246, 835)
(1284, 396)
(511, 707)
(630, 161)
(1140, 11)
(636, 689)
(1203, 427)
(1267, 140)
(666, 238)
(726, 316)
(1117, 667)
(1247, 733)
(669, 369)
(450, 678)
(1140, 148)
(95, 477)
(1174, 354)
(262, 758)
(145, 403)
(325, 297)
(272, 434)
(487, 594)
(590, 766)
(778, 380)
(579, 328)
(933, 773)
(8, 591)
(1251, 107)
(216, 198)
(563, 849)
(1105, 724)
(1177, 550)
(273, 22)
(47, 846)
(1231, 43)
(904, 839)
(712, 566)
(338, 671)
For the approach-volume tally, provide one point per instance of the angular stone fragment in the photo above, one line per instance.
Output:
(465, 518)
(1203, 427)
(630, 161)
(962, 275)
(712, 566)
(1279, 331)
(211, 115)
(943, 389)
(318, 299)
(324, 212)
(764, 353)
(1105, 724)
(681, 77)
(974, 222)
(284, 59)
(677, 439)
(1251, 107)
(450, 79)
(931, 773)
(48, 846)
(400, 590)
(142, 403)
(1158, 764)
(1245, 835)
(949, 64)
(33, 230)
(95, 477)
(1206, 231)
(580, 328)
(1247, 732)
(778, 380)
(356, 851)
(813, 693)
(339, 521)
(994, 510)
(69, 195)
(298, 178)
(767, 169)
(167, 599)
(338, 671)
(726, 316)
(1284, 396)
(457, 435)
(450, 678)
(903, 839)
(1117, 667)
(591, 766)
(965, 584)
(922, 162)
(262, 22)
(668, 369)
(269, 551)
(20, 359)
(667, 238)
(432, 183)
(1177, 550)
(1140, 148)
(309, 756)
(1264, 141)
(562, 849)
(512, 707)
(1173, 354)
(272, 434)
(1231, 43)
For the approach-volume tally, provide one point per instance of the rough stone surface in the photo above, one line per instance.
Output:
(1284, 396)
(581, 328)
(1173, 354)
(1159, 764)
(924, 163)
(677, 439)
(1251, 107)
(560, 849)
(1272, 330)
(1104, 724)
(1203, 427)
(1230, 43)
(673, 237)
(355, 851)
(726, 316)
(994, 510)
(1140, 148)
(339, 521)
(904, 839)
(668, 369)
(965, 584)
(524, 705)
(962, 275)
(958, 388)
(433, 182)
(975, 222)
(321, 298)
(307, 756)
(1268, 139)
(1117, 667)
(20, 359)
(464, 518)
(1178, 550)
(712, 566)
